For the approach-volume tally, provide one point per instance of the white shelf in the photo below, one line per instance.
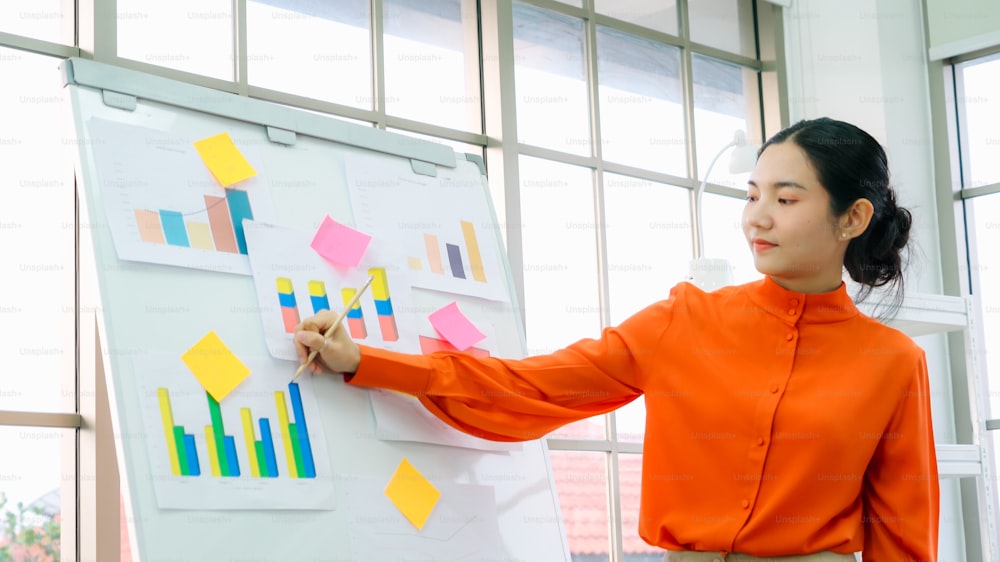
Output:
(959, 461)
(921, 314)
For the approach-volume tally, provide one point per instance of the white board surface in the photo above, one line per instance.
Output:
(152, 309)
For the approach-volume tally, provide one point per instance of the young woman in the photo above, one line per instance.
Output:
(780, 421)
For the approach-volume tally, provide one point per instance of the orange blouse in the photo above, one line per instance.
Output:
(777, 422)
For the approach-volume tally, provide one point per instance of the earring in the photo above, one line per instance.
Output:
(843, 235)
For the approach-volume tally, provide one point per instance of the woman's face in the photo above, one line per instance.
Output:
(787, 222)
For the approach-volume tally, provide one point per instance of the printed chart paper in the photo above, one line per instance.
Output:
(164, 206)
(458, 254)
(293, 282)
(262, 447)
(463, 526)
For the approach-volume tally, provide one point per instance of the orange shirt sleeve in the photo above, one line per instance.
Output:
(519, 400)
(901, 491)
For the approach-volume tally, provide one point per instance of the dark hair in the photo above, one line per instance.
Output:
(852, 165)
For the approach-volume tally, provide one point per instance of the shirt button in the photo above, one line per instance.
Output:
(791, 312)
(774, 389)
(794, 302)
(789, 337)
(760, 440)
(745, 504)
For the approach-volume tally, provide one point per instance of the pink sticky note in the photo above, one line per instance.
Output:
(455, 327)
(340, 243)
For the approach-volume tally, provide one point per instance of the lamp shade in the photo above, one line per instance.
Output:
(742, 159)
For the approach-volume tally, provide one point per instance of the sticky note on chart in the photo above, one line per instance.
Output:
(224, 160)
(216, 367)
(455, 327)
(412, 494)
(339, 243)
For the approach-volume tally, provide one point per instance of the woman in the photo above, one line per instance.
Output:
(780, 420)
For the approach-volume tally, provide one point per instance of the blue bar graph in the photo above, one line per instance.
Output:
(192, 456)
(303, 433)
(232, 463)
(173, 228)
(269, 459)
(239, 209)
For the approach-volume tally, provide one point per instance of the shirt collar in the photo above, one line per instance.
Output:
(791, 306)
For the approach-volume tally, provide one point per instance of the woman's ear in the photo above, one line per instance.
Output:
(855, 220)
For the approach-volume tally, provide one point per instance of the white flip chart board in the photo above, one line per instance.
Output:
(185, 264)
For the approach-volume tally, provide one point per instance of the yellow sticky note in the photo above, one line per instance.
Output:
(217, 369)
(412, 494)
(224, 160)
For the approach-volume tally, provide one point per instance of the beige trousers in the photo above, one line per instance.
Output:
(692, 556)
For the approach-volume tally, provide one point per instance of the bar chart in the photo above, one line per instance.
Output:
(256, 448)
(164, 206)
(461, 264)
(223, 456)
(217, 227)
(319, 300)
(459, 255)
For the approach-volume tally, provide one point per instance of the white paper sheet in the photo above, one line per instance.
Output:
(407, 208)
(190, 409)
(462, 527)
(279, 252)
(149, 172)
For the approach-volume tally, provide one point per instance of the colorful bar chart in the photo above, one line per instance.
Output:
(295, 434)
(223, 232)
(457, 264)
(258, 442)
(383, 304)
(355, 316)
(318, 297)
(180, 445)
(286, 300)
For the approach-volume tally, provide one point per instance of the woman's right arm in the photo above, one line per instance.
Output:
(507, 399)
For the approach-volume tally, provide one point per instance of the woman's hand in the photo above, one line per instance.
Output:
(337, 353)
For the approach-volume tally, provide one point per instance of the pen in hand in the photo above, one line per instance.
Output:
(333, 326)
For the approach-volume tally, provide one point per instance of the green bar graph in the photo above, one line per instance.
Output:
(219, 433)
(296, 449)
(181, 451)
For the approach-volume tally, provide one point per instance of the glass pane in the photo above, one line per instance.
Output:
(550, 80)
(986, 265)
(660, 15)
(982, 113)
(648, 241)
(190, 35)
(724, 235)
(37, 238)
(582, 484)
(36, 484)
(432, 62)
(560, 264)
(723, 24)
(48, 20)
(629, 485)
(320, 50)
(720, 109)
(642, 119)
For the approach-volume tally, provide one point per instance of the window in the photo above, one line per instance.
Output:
(37, 309)
(610, 99)
(618, 107)
(977, 107)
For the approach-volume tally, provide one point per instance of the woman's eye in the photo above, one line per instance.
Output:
(785, 201)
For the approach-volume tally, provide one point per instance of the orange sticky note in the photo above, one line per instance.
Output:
(216, 367)
(224, 160)
(412, 494)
